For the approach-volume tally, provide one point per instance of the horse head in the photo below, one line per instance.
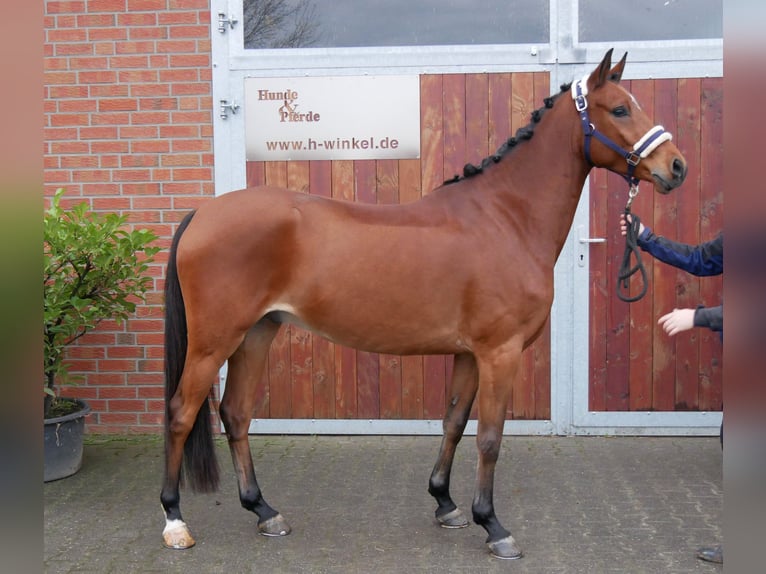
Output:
(620, 136)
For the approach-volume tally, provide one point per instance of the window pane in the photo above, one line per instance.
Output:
(621, 20)
(356, 23)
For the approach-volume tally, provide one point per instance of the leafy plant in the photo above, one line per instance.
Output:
(94, 270)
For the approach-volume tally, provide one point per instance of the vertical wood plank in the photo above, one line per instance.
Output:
(390, 365)
(522, 403)
(499, 128)
(255, 175)
(687, 286)
(323, 352)
(665, 276)
(345, 358)
(599, 292)
(280, 396)
(367, 364)
(432, 147)
(641, 317)
(711, 223)
(301, 340)
(476, 117)
(411, 366)
(541, 349)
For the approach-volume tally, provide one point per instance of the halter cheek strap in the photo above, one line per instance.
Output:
(650, 141)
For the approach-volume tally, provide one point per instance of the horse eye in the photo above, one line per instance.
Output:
(620, 112)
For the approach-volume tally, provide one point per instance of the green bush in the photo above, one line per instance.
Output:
(94, 270)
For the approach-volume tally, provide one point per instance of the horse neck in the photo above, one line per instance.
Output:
(539, 184)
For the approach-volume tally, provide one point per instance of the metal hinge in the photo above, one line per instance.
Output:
(230, 106)
(223, 21)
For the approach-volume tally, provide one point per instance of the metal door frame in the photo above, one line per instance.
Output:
(564, 58)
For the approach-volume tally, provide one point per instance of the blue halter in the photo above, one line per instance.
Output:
(641, 149)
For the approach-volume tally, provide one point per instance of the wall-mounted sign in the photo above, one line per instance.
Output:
(336, 117)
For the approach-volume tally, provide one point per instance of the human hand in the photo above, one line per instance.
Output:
(624, 224)
(677, 320)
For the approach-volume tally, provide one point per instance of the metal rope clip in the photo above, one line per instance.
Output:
(632, 193)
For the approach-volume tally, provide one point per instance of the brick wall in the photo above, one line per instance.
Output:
(128, 127)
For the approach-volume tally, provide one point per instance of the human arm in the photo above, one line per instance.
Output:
(679, 320)
(704, 259)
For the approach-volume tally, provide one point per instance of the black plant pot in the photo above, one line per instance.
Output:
(62, 446)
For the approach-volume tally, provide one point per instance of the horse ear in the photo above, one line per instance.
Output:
(601, 74)
(615, 74)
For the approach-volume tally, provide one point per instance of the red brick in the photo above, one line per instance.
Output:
(192, 145)
(148, 366)
(107, 380)
(113, 119)
(158, 104)
(77, 106)
(91, 175)
(176, 159)
(81, 352)
(143, 188)
(129, 62)
(110, 147)
(58, 120)
(131, 175)
(189, 60)
(188, 4)
(135, 47)
(109, 91)
(153, 32)
(92, 189)
(73, 49)
(57, 35)
(137, 76)
(171, 47)
(95, 20)
(106, 5)
(151, 338)
(139, 160)
(121, 104)
(111, 33)
(109, 161)
(171, 18)
(67, 147)
(147, 5)
(192, 174)
(91, 63)
(99, 77)
(142, 132)
(146, 381)
(143, 90)
(150, 146)
(188, 203)
(101, 133)
(111, 203)
(152, 118)
(116, 365)
(182, 75)
(189, 31)
(117, 392)
(59, 78)
(61, 92)
(71, 161)
(190, 88)
(65, 7)
(103, 48)
(137, 19)
(51, 134)
(55, 176)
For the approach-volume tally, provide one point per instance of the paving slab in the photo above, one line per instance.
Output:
(359, 504)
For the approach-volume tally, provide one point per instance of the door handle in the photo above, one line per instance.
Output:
(582, 242)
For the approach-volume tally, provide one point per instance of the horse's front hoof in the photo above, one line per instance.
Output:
(274, 526)
(453, 519)
(505, 548)
(177, 536)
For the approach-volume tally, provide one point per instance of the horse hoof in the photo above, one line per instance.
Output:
(505, 548)
(274, 526)
(453, 519)
(177, 536)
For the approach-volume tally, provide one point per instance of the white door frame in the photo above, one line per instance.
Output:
(565, 58)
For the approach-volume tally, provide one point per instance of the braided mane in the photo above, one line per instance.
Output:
(522, 134)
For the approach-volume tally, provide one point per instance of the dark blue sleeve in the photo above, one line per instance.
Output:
(702, 260)
(710, 317)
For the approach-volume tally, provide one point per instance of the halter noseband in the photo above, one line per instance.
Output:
(641, 149)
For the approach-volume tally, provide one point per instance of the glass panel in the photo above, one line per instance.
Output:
(357, 23)
(625, 20)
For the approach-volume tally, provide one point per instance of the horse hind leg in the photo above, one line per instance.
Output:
(192, 392)
(465, 379)
(245, 368)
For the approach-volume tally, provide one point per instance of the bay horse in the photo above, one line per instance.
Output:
(486, 243)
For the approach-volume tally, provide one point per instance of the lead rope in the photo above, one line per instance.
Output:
(631, 248)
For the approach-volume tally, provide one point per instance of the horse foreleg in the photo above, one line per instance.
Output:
(497, 373)
(465, 380)
(192, 392)
(245, 368)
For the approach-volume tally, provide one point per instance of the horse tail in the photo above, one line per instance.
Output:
(201, 466)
